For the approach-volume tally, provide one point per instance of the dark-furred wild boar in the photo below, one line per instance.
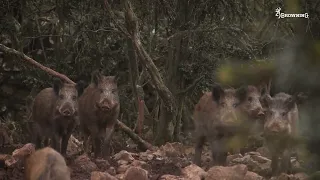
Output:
(99, 109)
(280, 129)
(55, 114)
(46, 164)
(219, 116)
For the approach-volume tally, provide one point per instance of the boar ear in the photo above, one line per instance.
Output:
(80, 86)
(242, 93)
(290, 102)
(217, 92)
(96, 77)
(57, 84)
(265, 100)
(301, 98)
(116, 77)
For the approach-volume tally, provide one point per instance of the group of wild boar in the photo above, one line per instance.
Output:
(58, 110)
(224, 115)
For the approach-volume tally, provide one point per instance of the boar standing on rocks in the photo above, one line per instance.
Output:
(99, 109)
(55, 114)
(280, 129)
(216, 119)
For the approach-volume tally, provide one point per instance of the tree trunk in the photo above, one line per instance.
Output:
(168, 107)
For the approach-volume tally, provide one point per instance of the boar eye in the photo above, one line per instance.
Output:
(61, 96)
(235, 104)
(101, 90)
(223, 104)
(250, 99)
(74, 97)
(283, 114)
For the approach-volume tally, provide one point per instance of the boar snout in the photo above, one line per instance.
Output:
(107, 105)
(67, 110)
(274, 128)
(258, 112)
(230, 118)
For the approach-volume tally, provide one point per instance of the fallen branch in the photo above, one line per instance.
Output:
(35, 63)
(143, 144)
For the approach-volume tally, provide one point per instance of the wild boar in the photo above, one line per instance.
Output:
(251, 113)
(99, 109)
(46, 164)
(280, 129)
(220, 115)
(55, 114)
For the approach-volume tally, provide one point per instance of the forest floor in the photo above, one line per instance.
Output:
(171, 161)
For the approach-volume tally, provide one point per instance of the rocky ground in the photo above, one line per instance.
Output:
(171, 161)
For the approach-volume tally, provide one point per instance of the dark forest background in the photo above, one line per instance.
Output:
(166, 52)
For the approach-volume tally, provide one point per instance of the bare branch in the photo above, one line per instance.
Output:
(33, 62)
(191, 86)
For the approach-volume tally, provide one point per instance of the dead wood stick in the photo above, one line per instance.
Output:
(143, 144)
(35, 63)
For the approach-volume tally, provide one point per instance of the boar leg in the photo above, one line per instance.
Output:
(37, 141)
(64, 143)
(200, 140)
(46, 141)
(106, 142)
(56, 143)
(218, 152)
(285, 163)
(86, 141)
(97, 146)
(275, 165)
(36, 138)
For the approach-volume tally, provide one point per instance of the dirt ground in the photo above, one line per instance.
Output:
(155, 167)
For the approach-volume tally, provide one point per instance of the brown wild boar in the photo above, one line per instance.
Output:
(222, 114)
(99, 109)
(280, 129)
(46, 164)
(55, 114)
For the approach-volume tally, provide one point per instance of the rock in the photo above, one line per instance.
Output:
(264, 152)
(221, 172)
(296, 166)
(85, 164)
(254, 162)
(135, 173)
(141, 164)
(112, 171)
(252, 176)
(193, 172)
(173, 149)
(122, 162)
(119, 176)
(122, 168)
(300, 176)
(123, 155)
(74, 146)
(102, 163)
(171, 177)
(145, 156)
(96, 175)
(230, 158)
